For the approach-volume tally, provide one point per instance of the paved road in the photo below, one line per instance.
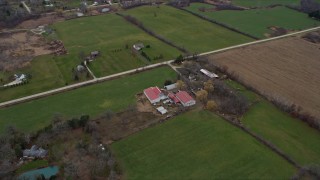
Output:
(97, 80)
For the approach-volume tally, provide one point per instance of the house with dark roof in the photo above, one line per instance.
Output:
(35, 152)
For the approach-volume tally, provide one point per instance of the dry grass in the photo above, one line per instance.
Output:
(286, 69)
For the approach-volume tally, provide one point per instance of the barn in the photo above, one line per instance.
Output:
(153, 94)
(185, 99)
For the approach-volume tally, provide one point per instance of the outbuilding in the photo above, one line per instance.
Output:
(208, 73)
(171, 86)
(153, 94)
(185, 99)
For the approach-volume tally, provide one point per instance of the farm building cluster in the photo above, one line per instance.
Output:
(168, 97)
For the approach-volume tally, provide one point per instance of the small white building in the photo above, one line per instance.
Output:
(208, 73)
(171, 86)
(162, 110)
(138, 46)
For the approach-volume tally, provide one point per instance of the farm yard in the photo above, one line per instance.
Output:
(197, 145)
(115, 95)
(284, 70)
(185, 30)
(260, 23)
(114, 38)
(252, 112)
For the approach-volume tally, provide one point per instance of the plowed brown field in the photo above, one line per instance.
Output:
(286, 69)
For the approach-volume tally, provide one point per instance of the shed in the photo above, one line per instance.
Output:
(138, 46)
(95, 53)
(162, 110)
(171, 86)
(208, 73)
(104, 10)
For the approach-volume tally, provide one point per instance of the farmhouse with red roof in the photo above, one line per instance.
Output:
(185, 99)
(153, 94)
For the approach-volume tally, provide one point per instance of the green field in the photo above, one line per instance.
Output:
(45, 75)
(186, 30)
(258, 21)
(115, 95)
(264, 3)
(107, 33)
(292, 136)
(198, 145)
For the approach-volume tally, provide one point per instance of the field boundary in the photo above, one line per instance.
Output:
(150, 32)
(268, 144)
(218, 23)
(94, 81)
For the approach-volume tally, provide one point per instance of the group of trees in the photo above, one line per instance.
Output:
(12, 142)
(315, 14)
(309, 6)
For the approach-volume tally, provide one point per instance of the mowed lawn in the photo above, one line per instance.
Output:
(113, 37)
(185, 29)
(257, 22)
(292, 136)
(115, 95)
(45, 76)
(198, 145)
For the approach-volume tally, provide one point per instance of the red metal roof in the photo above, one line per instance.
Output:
(152, 93)
(173, 97)
(184, 97)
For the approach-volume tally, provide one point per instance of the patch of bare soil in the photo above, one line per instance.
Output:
(313, 37)
(277, 31)
(287, 70)
(33, 23)
(18, 49)
(123, 124)
(143, 105)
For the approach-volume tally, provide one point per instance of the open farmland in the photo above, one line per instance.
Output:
(286, 69)
(264, 3)
(113, 37)
(45, 75)
(186, 30)
(292, 136)
(258, 22)
(115, 95)
(198, 145)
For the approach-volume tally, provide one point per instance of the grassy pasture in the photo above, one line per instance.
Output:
(45, 75)
(115, 95)
(198, 145)
(257, 21)
(107, 33)
(186, 30)
(292, 136)
(264, 3)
